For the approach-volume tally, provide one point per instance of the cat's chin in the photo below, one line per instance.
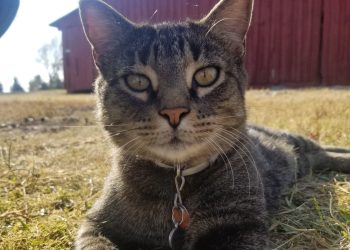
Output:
(179, 152)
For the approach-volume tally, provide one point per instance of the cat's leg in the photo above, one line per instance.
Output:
(232, 224)
(89, 238)
(249, 234)
(323, 159)
(311, 155)
(95, 233)
(336, 149)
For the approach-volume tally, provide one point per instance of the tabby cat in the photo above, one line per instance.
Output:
(171, 97)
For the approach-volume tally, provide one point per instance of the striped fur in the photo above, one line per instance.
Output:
(229, 202)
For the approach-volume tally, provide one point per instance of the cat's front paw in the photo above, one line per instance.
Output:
(94, 243)
(99, 247)
(243, 237)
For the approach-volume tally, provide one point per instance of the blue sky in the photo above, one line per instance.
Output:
(29, 31)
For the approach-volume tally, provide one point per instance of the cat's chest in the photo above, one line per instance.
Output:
(145, 221)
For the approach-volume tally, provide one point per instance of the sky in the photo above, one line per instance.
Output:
(28, 33)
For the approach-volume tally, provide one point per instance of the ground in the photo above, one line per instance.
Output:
(53, 160)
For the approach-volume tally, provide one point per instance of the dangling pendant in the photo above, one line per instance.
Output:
(180, 215)
(176, 238)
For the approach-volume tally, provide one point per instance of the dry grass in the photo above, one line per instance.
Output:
(42, 104)
(51, 171)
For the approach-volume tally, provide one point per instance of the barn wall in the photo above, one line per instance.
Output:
(283, 45)
(79, 69)
(162, 10)
(336, 43)
(292, 43)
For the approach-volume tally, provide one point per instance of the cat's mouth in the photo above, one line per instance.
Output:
(175, 141)
(177, 149)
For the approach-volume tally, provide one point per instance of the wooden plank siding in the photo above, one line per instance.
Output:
(283, 45)
(77, 59)
(155, 11)
(336, 43)
(293, 43)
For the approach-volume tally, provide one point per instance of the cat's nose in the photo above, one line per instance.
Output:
(174, 115)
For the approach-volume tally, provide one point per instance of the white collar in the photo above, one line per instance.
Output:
(192, 170)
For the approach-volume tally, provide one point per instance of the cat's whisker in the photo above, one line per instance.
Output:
(126, 152)
(90, 126)
(245, 150)
(102, 125)
(154, 13)
(237, 139)
(230, 116)
(117, 133)
(210, 144)
(138, 145)
(236, 136)
(240, 134)
(114, 134)
(228, 160)
(105, 138)
(128, 142)
(122, 150)
(232, 145)
(126, 69)
(214, 24)
(243, 135)
(117, 125)
(78, 126)
(126, 130)
(207, 142)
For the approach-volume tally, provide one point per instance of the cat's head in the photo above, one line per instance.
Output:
(171, 92)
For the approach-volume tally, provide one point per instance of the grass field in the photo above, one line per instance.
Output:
(53, 160)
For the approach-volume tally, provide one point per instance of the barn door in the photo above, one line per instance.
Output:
(336, 43)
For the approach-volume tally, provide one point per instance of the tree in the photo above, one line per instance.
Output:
(50, 55)
(1, 88)
(16, 87)
(37, 84)
(55, 82)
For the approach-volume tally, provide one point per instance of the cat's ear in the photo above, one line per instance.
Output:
(103, 26)
(230, 16)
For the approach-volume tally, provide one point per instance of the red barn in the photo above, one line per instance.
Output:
(291, 42)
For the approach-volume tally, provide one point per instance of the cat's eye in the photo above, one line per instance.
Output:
(137, 83)
(206, 76)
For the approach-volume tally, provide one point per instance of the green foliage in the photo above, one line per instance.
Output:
(36, 84)
(50, 56)
(16, 87)
(55, 81)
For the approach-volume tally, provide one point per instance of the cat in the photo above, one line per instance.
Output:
(171, 98)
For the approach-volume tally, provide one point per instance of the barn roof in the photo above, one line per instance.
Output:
(72, 18)
(68, 20)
